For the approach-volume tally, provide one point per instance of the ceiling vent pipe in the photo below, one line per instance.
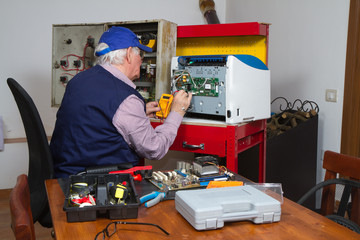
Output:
(207, 8)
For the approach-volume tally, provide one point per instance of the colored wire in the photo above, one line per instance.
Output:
(77, 58)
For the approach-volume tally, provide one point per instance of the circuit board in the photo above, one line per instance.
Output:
(174, 180)
(198, 86)
(186, 176)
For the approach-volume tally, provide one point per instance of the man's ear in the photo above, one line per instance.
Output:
(129, 54)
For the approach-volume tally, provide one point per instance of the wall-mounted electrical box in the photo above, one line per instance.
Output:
(73, 51)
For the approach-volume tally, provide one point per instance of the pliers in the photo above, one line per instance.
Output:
(155, 197)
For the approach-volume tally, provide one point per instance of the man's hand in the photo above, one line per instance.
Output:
(181, 102)
(151, 109)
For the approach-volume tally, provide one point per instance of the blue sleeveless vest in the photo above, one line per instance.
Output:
(84, 134)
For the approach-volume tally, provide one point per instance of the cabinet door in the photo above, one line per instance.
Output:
(72, 52)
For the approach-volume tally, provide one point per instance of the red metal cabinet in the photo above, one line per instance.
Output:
(223, 140)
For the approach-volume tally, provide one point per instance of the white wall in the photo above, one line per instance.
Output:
(26, 46)
(306, 55)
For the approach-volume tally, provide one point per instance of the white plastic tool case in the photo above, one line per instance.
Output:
(207, 209)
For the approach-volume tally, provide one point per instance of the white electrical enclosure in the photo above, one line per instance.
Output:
(235, 88)
(247, 91)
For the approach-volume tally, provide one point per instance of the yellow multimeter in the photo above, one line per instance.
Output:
(165, 105)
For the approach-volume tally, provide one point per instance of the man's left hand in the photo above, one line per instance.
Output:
(151, 109)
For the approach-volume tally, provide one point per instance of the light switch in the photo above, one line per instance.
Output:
(331, 95)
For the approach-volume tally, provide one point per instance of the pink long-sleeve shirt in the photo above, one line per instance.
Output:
(132, 123)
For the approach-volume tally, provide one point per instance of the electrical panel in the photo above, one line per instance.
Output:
(73, 52)
(235, 88)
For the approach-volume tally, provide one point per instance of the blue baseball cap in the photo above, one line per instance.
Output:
(120, 38)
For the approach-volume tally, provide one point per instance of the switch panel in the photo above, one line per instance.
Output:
(331, 95)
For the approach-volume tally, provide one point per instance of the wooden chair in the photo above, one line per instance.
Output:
(346, 166)
(21, 215)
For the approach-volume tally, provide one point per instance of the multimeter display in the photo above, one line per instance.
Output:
(165, 105)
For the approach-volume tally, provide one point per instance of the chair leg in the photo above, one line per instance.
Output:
(344, 201)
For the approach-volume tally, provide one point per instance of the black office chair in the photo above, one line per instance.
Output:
(40, 159)
(347, 166)
(344, 207)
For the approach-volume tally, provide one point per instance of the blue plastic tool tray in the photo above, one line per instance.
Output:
(103, 208)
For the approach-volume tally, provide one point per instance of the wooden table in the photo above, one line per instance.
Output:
(296, 222)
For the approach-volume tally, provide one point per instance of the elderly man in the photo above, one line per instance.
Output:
(103, 120)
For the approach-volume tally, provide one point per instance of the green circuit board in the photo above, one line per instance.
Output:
(198, 86)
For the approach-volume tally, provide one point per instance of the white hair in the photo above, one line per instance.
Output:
(114, 57)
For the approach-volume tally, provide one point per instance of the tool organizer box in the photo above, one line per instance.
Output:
(209, 208)
(103, 207)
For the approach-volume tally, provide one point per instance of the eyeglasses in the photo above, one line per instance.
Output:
(142, 54)
(111, 229)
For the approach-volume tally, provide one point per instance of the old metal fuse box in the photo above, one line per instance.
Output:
(73, 51)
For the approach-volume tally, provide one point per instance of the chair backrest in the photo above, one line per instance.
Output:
(347, 166)
(40, 159)
(21, 216)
